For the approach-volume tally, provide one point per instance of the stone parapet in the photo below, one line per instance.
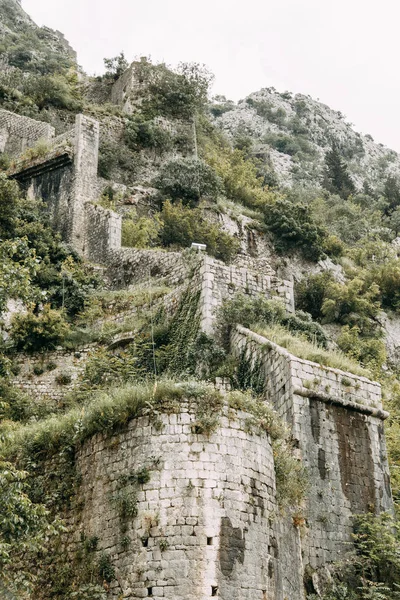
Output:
(17, 133)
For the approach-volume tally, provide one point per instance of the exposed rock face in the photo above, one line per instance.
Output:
(16, 22)
(295, 131)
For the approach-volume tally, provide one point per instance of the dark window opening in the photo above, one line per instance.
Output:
(209, 541)
(214, 590)
(145, 542)
(150, 591)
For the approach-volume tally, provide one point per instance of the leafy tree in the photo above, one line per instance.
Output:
(18, 265)
(394, 221)
(141, 134)
(140, 232)
(177, 94)
(181, 226)
(115, 66)
(387, 277)
(391, 193)
(25, 530)
(293, 227)
(53, 90)
(9, 196)
(336, 178)
(241, 177)
(188, 179)
(311, 293)
(370, 352)
(355, 303)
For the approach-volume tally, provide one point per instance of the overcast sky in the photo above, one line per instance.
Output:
(344, 52)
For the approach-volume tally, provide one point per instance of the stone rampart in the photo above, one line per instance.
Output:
(39, 376)
(18, 133)
(220, 282)
(103, 232)
(127, 266)
(206, 519)
(336, 419)
(66, 179)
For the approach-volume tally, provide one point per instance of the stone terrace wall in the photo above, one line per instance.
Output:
(220, 282)
(337, 421)
(45, 385)
(131, 265)
(103, 232)
(18, 133)
(205, 520)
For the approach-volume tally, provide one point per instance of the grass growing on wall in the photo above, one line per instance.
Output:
(306, 350)
(111, 410)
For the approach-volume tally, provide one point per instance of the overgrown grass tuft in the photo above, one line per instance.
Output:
(300, 347)
(105, 303)
(111, 410)
(105, 413)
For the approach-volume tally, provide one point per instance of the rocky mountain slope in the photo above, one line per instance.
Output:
(24, 44)
(295, 131)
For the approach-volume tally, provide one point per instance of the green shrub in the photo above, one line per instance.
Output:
(141, 134)
(354, 303)
(370, 352)
(188, 180)
(32, 332)
(53, 90)
(63, 378)
(372, 572)
(140, 232)
(299, 346)
(251, 310)
(288, 144)
(117, 161)
(294, 227)
(105, 569)
(311, 293)
(265, 109)
(387, 277)
(246, 310)
(72, 285)
(181, 226)
(241, 178)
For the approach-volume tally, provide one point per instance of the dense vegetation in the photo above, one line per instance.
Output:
(171, 143)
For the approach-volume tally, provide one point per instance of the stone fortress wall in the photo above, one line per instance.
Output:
(206, 520)
(215, 497)
(18, 133)
(336, 419)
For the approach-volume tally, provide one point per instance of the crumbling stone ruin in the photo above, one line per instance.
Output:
(211, 502)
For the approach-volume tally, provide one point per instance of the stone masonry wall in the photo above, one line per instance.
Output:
(131, 265)
(66, 179)
(103, 232)
(205, 520)
(85, 176)
(18, 133)
(220, 282)
(337, 421)
(44, 385)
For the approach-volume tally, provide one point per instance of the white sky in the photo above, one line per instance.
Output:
(343, 52)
